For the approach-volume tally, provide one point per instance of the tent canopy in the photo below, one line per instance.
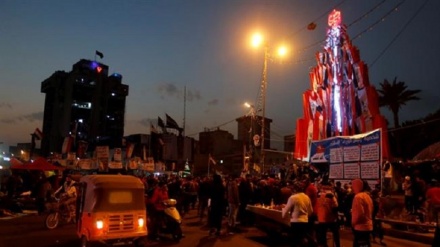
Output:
(429, 153)
(40, 164)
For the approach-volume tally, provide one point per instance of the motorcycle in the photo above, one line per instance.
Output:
(59, 212)
(171, 222)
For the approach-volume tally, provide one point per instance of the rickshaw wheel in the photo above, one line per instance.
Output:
(140, 242)
(52, 221)
(85, 242)
(177, 234)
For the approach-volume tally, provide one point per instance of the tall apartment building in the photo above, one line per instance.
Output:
(86, 104)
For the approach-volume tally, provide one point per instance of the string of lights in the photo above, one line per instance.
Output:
(324, 14)
(371, 27)
(366, 14)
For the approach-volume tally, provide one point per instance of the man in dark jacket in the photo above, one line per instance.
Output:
(246, 196)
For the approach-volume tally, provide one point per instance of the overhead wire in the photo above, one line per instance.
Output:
(399, 33)
(395, 8)
(369, 28)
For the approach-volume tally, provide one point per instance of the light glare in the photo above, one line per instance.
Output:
(282, 51)
(141, 222)
(257, 39)
(99, 224)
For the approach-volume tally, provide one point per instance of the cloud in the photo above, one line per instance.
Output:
(167, 89)
(192, 96)
(213, 102)
(36, 116)
(7, 121)
(146, 121)
(5, 105)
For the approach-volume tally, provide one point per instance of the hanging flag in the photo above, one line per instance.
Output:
(74, 133)
(38, 134)
(100, 54)
(161, 141)
(82, 149)
(160, 122)
(129, 150)
(314, 168)
(67, 145)
(153, 129)
(212, 160)
(171, 123)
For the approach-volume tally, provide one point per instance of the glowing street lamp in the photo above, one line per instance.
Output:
(258, 41)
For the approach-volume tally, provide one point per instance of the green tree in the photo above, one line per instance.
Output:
(394, 96)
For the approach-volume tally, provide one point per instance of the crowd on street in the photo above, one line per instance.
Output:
(314, 207)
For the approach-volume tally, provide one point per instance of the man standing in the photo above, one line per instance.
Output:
(327, 212)
(203, 193)
(300, 208)
(246, 194)
(408, 190)
(433, 200)
(234, 202)
(217, 204)
(362, 215)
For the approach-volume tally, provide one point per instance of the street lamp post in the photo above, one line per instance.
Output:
(257, 40)
(263, 93)
(249, 156)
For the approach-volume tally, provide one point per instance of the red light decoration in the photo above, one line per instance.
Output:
(99, 69)
(341, 101)
(335, 18)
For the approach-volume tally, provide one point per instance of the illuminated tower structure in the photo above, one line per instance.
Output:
(83, 108)
(341, 101)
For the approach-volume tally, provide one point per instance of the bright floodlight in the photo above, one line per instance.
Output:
(257, 39)
(247, 104)
(282, 51)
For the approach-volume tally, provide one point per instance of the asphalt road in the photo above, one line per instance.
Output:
(29, 231)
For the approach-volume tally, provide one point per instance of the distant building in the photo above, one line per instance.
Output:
(289, 143)
(249, 126)
(85, 104)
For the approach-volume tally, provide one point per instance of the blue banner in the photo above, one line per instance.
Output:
(350, 157)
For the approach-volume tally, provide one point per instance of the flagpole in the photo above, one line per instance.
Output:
(209, 164)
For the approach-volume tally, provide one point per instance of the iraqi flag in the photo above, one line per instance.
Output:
(211, 160)
(171, 123)
(129, 150)
(38, 134)
(67, 145)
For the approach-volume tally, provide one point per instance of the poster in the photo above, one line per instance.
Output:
(358, 156)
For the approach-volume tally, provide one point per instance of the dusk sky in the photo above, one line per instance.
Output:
(162, 46)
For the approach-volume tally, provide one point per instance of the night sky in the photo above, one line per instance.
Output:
(162, 46)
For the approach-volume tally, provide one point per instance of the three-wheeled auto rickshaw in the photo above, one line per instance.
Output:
(111, 210)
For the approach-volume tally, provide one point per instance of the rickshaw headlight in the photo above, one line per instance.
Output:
(140, 222)
(99, 224)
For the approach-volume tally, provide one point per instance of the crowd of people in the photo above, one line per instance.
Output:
(421, 199)
(36, 186)
(314, 207)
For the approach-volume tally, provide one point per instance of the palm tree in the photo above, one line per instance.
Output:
(394, 96)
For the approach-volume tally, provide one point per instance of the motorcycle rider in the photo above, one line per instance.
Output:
(160, 194)
(68, 196)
